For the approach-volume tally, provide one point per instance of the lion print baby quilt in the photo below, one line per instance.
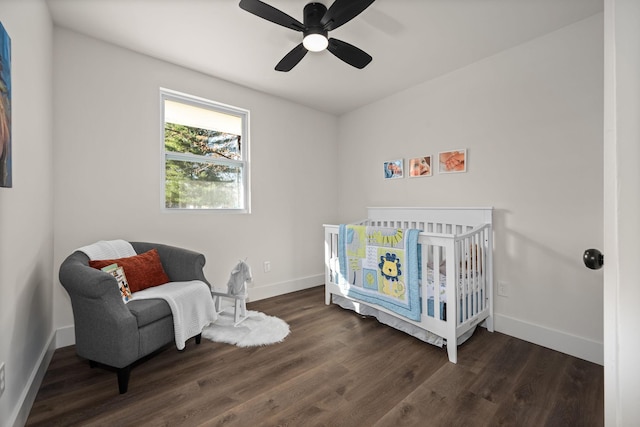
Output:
(380, 265)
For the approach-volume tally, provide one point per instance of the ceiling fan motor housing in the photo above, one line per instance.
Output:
(313, 14)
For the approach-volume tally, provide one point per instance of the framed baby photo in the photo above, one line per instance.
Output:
(453, 161)
(393, 169)
(420, 166)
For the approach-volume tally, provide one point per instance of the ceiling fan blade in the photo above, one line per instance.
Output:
(343, 11)
(272, 14)
(292, 58)
(349, 53)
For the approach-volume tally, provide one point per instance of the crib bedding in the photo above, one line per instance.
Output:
(470, 301)
(336, 265)
(380, 265)
(397, 323)
(387, 319)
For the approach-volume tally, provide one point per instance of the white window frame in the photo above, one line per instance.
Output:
(243, 114)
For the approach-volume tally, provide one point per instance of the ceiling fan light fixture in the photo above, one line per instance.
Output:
(315, 26)
(315, 42)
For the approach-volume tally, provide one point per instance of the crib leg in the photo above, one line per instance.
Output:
(452, 351)
(327, 297)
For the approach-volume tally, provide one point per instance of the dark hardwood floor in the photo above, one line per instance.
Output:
(334, 369)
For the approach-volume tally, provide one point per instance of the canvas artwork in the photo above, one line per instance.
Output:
(420, 166)
(5, 108)
(393, 169)
(452, 161)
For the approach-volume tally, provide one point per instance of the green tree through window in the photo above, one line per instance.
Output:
(204, 168)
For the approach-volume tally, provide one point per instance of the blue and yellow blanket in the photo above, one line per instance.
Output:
(380, 265)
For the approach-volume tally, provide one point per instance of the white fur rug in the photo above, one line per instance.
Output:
(256, 330)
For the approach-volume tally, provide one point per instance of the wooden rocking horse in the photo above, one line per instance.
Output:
(237, 291)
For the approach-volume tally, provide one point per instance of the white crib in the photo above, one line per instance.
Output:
(463, 235)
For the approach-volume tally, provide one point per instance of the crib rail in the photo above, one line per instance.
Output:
(460, 281)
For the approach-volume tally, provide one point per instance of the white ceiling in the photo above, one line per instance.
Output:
(411, 41)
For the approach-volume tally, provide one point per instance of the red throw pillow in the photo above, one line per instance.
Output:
(142, 271)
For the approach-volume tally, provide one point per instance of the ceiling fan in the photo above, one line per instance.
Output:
(318, 21)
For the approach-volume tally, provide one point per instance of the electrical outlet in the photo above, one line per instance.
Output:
(267, 266)
(2, 382)
(503, 289)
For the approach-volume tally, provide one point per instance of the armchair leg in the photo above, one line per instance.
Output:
(123, 379)
(198, 338)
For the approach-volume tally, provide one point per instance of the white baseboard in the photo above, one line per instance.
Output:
(28, 396)
(563, 342)
(65, 336)
(262, 292)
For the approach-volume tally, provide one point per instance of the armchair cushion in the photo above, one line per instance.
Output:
(148, 311)
(142, 271)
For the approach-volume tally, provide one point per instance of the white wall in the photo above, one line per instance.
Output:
(531, 118)
(26, 227)
(107, 170)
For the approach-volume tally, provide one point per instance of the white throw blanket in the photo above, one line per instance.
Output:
(108, 249)
(190, 302)
(191, 305)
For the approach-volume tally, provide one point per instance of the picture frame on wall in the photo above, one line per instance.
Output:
(393, 169)
(453, 161)
(420, 167)
(5, 109)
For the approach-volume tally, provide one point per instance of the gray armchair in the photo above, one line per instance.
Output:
(115, 334)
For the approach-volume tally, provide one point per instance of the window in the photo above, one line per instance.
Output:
(205, 154)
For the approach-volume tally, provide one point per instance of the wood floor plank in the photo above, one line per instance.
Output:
(578, 382)
(276, 403)
(336, 368)
(502, 365)
(535, 390)
(440, 400)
